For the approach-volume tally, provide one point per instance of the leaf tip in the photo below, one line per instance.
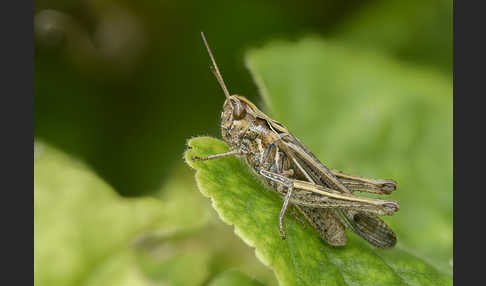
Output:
(195, 146)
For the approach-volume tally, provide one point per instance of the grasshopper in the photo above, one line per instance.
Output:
(323, 196)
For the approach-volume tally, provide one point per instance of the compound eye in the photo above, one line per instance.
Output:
(239, 111)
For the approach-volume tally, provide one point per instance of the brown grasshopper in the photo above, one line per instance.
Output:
(322, 195)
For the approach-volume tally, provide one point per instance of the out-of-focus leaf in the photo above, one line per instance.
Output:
(118, 269)
(419, 31)
(235, 278)
(181, 267)
(85, 232)
(229, 252)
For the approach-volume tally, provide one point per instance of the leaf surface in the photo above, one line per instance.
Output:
(363, 114)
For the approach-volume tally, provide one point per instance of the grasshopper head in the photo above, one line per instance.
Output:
(234, 119)
(236, 109)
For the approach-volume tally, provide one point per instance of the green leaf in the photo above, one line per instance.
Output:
(369, 115)
(363, 114)
(419, 31)
(86, 234)
(303, 258)
(235, 278)
(174, 269)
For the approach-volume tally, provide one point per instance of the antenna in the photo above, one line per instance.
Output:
(215, 70)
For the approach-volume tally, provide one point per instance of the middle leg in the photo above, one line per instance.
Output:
(285, 182)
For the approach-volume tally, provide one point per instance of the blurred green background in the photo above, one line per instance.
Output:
(122, 85)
